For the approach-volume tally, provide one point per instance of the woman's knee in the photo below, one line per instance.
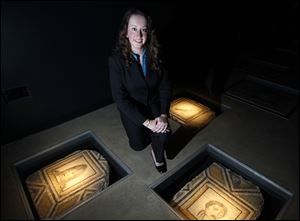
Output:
(162, 136)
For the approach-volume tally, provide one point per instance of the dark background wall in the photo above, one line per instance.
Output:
(56, 52)
(213, 36)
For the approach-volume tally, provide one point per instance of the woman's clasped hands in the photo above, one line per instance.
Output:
(158, 125)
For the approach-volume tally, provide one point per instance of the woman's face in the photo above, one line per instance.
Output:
(137, 32)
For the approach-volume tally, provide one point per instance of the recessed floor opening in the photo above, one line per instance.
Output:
(276, 198)
(86, 140)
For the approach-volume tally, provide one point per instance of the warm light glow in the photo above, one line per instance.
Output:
(218, 194)
(67, 182)
(190, 113)
(71, 176)
(187, 110)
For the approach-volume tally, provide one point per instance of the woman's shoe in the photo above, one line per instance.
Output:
(161, 167)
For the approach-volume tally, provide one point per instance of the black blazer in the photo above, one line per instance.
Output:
(132, 92)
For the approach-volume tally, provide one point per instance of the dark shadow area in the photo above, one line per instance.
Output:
(179, 140)
(262, 94)
(273, 65)
(87, 140)
(276, 198)
(223, 42)
(199, 46)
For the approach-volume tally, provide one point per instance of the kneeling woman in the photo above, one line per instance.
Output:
(140, 86)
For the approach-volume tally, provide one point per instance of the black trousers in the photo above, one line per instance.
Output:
(140, 137)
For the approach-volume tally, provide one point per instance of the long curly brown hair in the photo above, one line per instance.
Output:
(152, 45)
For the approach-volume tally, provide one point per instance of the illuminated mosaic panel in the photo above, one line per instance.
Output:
(67, 182)
(220, 194)
(190, 113)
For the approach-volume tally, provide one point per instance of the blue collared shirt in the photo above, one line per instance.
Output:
(144, 60)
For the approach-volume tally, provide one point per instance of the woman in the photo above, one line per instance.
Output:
(140, 86)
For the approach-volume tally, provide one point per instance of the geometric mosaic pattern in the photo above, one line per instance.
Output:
(67, 182)
(190, 113)
(218, 193)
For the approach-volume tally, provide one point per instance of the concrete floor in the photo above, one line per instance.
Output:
(265, 142)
